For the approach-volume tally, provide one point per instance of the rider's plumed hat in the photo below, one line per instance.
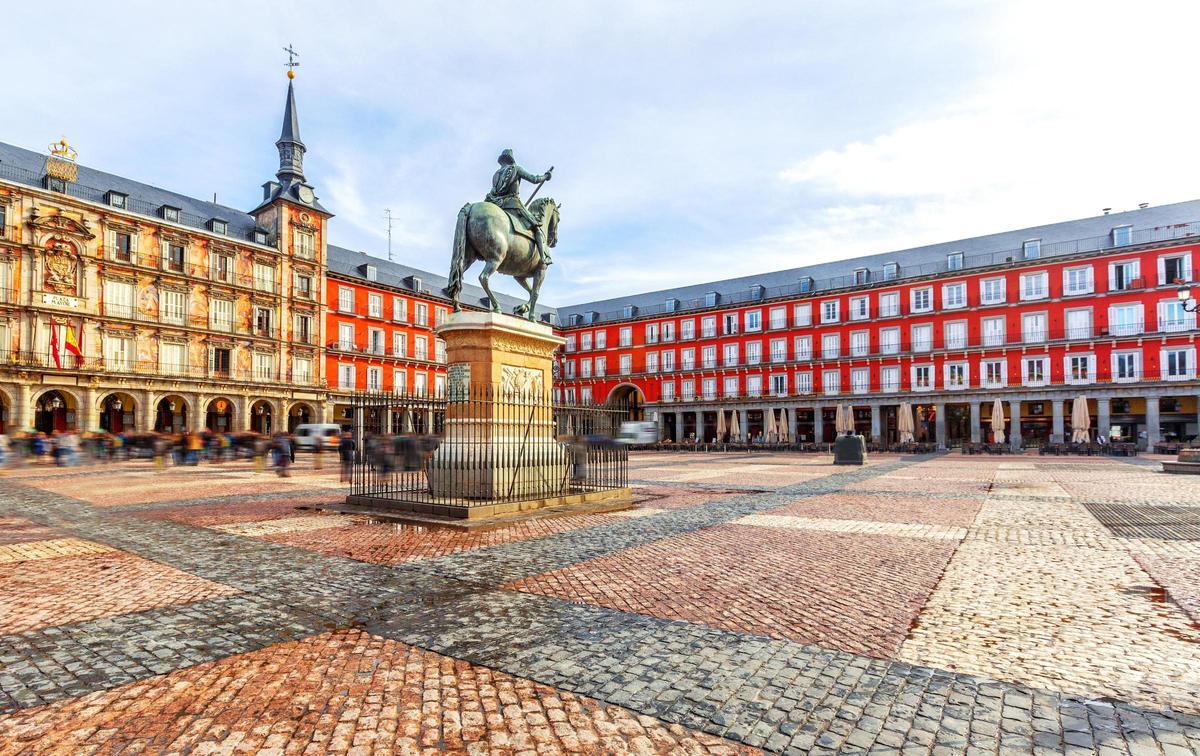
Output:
(506, 158)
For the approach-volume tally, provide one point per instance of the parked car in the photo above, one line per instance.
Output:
(638, 433)
(307, 436)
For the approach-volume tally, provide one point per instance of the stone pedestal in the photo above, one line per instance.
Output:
(499, 430)
(849, 450)
(1188, 463)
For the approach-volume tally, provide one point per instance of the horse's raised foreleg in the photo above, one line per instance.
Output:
(488, 269)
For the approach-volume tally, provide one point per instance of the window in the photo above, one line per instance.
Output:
(114, 199)
(753, 320)
(652, 333)
(830, 311)
(420, 348)
(802, 346)
(585, 341)
(172, 357)
(264, 366)
(754, 385)
(651, 362)
(264, 319)
(1178, 364)
(668, 330)
(671, 305)
(922, 338)
(220, 360)
(806, 285)
(729, 324)
(1033, 327)
(889, 378)
(1125, 320)
(345, 299)
(954, 261)
(220, 314)
(730, 355)
(374, 305)
(889, 304)
(710, 299)
(218, 226)
(831, 346)
(1079, 323)
(346, 337)
(122, 243)
(778, 350)
(1172, 316)
(668, 391)
(585, 368)
(804, 383)
(118, 352)
(569, 346)
(753, 352)
(860, 380)
(889, 341)
(709, 388)
(303, 286)
(601, 363)
(118, 299)
(1126, 366)
(731, 385)
(1122, 235)
(169, 213)
(687, 359)
(374, 379)
(1035, 370)
(375, 340)
(687, 331)
(778, 317)
(708, 357)
(264, 277)
(601, 339)
(667, 361)
(860, 343)
(860, 308)
(860, 276)
(172, 306)
(891, 271)
(922, 299)
(954, 296)
(957, 375)
(1077, 280)
(779, 384)
(993, 331)
(991, 291)
(1032, 249)
(831, 381)
(399, 309)
(422, 313)
(399, 381)
(922, 377)
(420, 383)
(954, 335)
(399, 344)
(1123, 275)
(687, 390)
(626, 337)
(345, 376)
(626, 364)
(1033, 285)
(260, 236)
(802, 314)
(995, 373)
(172, 257)
(303, 244)
(1079, 368)
(1172, 269)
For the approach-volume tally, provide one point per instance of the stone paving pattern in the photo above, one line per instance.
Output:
(947, 604)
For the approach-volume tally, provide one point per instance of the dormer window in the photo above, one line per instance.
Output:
(593, 317)
(56, 184)
(861, 276)
(1122, 235)
(672, 305)
(218, 226)
(415, 283)
(576, 320)
(954, 261)
(169, 213)
(117, 200)
(260, 236)
(711, 298)
(370, 272)
(891, 271)
(806, 285)
(629, 311)
(757, 291)
(1032, 249)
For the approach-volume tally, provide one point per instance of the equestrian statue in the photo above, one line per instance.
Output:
(508, 235)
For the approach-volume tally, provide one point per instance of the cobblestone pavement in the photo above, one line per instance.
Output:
(926, 605)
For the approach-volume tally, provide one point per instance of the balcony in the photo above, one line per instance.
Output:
(135, 368)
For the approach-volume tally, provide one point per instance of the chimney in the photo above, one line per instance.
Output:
(1143, 205)
(1107, 210)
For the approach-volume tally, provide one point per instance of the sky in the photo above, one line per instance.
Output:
(692, 141)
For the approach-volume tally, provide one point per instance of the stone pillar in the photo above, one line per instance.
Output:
(198, 416)
(145, 420)
(387, 420)
(1103, 419)
(1152, 429)
(23, 408)
(744, 423)
(876, 424)
(678, 426)
(88, 418)
(1056, 424)
(939, 424)
(976, 431)
(243, 413)
(1014, 424)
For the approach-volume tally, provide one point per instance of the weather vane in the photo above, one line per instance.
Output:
(291, 64)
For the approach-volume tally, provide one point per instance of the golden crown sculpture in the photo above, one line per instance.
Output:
(60, 163)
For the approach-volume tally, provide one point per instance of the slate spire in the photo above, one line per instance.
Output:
(291, 149)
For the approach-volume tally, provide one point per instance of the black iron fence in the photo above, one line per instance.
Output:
(482, 446)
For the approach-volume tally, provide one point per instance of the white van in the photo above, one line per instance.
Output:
(307, 436)
(638, 433)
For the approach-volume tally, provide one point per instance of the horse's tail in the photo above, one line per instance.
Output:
(458, 259)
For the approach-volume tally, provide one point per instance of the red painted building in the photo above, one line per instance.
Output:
(1033, 317)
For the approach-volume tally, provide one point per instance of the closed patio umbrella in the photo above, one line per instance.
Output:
(1081, 421)
(998, 421)
(720, 425)
(904, 423)
(848, 419)
(839, 420)
(769, 430)
(785, 426)
(735, 431)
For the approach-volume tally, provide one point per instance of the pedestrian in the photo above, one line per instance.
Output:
(346, 449)
(283, 454)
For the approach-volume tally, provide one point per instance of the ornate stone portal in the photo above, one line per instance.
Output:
(499, 429)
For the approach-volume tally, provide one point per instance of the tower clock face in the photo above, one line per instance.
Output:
(306, 194)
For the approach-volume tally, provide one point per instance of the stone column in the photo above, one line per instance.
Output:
(678, 426)
(23, 407)
(88, 418)
(1152, 428)
(976, 431)
(1014, 425)
(145, 419)
(939, 424)
(243, 413)
(876, 424)
(1103, 419)
(744, 423)
(1056, 423)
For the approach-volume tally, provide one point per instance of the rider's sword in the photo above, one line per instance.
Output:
(538, 188)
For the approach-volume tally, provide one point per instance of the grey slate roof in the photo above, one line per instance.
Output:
(1068, 237)
(349, 263)
(27, 167)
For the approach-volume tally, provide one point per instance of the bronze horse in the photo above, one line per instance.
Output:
(484, 232)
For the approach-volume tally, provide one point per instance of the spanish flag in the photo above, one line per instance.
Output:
(71, 344)
(54, 344)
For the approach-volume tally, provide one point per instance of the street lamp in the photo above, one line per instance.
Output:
(1186, 300)
(116, 404)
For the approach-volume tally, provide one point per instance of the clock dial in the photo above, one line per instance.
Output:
(306, 194)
